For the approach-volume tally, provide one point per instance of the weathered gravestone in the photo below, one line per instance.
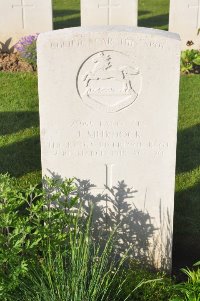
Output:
(19, 18)
(185, 20)
(109, 12)
(108, 113)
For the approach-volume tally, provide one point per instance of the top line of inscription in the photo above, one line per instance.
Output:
(125, 42)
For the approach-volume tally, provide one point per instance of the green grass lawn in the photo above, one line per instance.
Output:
(187, 197)
(152, 13)
(19, 126)
(19, 130)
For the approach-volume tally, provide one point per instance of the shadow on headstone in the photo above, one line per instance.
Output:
(114, 208)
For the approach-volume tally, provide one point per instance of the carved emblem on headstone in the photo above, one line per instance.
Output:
(109, 81)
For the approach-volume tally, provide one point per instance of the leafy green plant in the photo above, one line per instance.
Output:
(84, 271)
(47, 248)
(190, 290)
(190, 61)
(26, 47)
(29, 224)
(152, 290)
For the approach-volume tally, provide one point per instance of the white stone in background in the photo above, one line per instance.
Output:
(19, 18)
(185, 20)
(109, 12)
(108, 116)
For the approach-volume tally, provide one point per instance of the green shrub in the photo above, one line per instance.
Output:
(190, 61)
(85, 271)
(161, 290)
(23, 236)
(48, 252)
(190, 290)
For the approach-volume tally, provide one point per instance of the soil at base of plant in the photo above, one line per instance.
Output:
(11, 62)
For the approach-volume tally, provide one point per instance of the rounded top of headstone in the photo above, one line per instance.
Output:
(125, 29)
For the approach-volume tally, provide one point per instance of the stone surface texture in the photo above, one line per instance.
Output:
(109, 12)
(185, 20)
(19, 18)
(108, 117)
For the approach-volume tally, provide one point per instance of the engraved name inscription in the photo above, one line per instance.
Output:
(97, 141)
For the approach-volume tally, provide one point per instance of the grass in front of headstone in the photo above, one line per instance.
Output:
(152, 13)
(19, 126)
(187, 205)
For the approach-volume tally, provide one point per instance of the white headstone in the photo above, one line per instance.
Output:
(108, 113)
(185, 20)
(109, 12)
(19, 18)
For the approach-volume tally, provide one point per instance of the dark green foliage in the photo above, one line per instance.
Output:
(84, 271)
(189, 290)
(153, 290)
(47, 251)
(23, 236)
(190, 61)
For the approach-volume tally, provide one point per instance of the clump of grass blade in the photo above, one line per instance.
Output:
(85, 271)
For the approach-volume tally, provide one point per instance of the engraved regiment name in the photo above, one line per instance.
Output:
(90, 139)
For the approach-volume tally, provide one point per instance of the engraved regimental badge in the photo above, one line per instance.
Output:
(108, 81)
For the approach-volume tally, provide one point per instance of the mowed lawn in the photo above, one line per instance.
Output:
(152, 13)
(20, 143)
